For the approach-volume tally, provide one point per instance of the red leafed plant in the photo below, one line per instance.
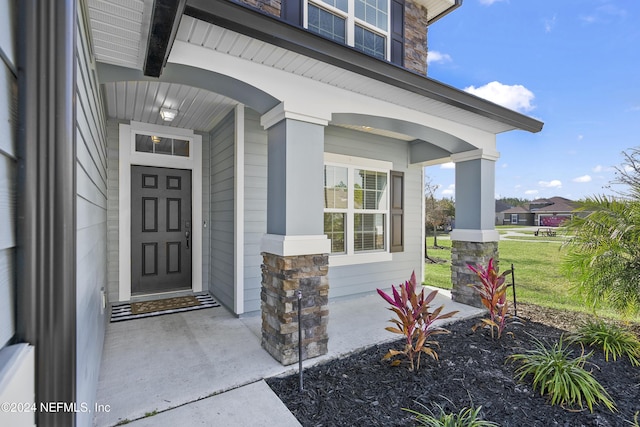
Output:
(414, 322)
(493, 293)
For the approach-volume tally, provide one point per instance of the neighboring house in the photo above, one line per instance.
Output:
(501, 207)
(517, 216)
(550, 212)
(294, 160)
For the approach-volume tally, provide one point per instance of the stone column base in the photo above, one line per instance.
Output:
(463, 254)
(282, 276)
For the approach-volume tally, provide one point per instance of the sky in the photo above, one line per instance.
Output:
(573, 64)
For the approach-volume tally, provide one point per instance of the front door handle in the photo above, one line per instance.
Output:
(187, 235)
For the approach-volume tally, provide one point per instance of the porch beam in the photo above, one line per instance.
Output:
(165, 19)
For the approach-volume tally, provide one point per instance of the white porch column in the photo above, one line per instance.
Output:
(295, 249)
(474, 238)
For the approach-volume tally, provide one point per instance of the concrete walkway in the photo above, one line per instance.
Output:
(207, 368)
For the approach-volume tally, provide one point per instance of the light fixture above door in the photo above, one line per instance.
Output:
(168, 114)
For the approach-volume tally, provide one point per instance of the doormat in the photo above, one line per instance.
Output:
(139, 310)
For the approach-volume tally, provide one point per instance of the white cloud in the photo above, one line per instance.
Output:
(604, 14)
(580, 137)
(515, 97)
(433, 56)
(450, 190)
(583, 178)
(549, 24)
(600, 168)
(489, 2)
(531, 192)
(550, 184)
(448, 165)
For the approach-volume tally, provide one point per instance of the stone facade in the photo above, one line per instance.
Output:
(272, 7)
(463, 254)
(415, 37)
(282, 276)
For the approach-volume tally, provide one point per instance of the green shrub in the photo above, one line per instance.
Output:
(467, 417)
(614, 340)
(563, 378)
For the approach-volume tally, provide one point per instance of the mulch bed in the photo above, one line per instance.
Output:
(363, 390)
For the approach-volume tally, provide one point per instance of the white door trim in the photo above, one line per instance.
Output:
(127, 157)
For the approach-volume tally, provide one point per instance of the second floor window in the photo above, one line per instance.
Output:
(362, 24)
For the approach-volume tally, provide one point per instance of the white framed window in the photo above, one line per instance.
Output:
(363, 24)
(356, 209)
(514, 218)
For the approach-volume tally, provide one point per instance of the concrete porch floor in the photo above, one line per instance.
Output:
(206, 367)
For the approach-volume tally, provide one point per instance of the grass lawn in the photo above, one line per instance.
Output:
(537, 274)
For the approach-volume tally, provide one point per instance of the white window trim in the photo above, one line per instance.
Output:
(129, 156)
(351, 22)
(351, 257)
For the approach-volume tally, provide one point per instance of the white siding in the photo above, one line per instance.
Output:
(221, 152)
(91, 228)
(355, 279)
(8, 121)
(255, 213)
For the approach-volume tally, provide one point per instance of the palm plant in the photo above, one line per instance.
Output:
(604, 253)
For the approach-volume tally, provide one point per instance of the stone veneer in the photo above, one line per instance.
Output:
(282, 276)
(463, 254)
(415, 37)
(272, 7)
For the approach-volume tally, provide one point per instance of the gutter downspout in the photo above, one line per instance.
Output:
(46, 229)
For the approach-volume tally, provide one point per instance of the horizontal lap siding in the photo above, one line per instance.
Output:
(255, 212)
(206, 199)
(113, 210)
(356, 279)
(221, 211)
(91, 227)
(8, 177)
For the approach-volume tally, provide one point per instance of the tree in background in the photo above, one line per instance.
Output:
(604, 254)
(438, 213)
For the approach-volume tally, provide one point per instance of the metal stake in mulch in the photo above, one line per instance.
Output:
(513, 284)
(299, 295)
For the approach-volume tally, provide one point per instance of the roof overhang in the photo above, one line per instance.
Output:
(252, 23)
(437, 9)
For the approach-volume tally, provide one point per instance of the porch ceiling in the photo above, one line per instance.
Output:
(141, 101)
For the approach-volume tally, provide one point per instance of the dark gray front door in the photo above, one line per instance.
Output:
(160, 229)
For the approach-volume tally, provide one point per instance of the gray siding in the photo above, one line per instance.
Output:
(91, 225)
(113, 210)
(8, 119)
(355, 279)
(206, 200)
(343, 280)
(222, 175)
(255, 207)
